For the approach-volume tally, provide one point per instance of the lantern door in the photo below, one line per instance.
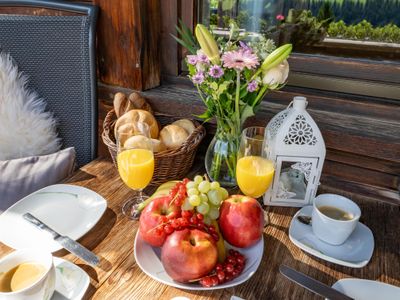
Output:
(294, 181)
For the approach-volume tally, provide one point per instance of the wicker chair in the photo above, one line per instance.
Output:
(57, 52)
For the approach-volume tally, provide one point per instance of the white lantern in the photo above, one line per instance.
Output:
(295, 143)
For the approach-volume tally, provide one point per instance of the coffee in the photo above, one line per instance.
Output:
(21, 276)
(335, 213)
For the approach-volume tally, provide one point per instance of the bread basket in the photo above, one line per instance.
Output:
(170, 164)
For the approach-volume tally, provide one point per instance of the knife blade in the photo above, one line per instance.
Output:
(68, 243)
(312, 284)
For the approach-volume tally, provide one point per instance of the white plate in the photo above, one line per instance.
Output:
(71, 281)
(148, 259)
(70, 210)
(361, 289)
(355, 252)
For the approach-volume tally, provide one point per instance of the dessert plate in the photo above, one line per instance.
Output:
(148, 259)
(68, 209)
(71, 281)
(367, 289)
(355, 252)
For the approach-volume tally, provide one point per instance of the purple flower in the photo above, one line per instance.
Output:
(216, 71)
(192, 59)
(245, 47)
(252, 86)
(198, 78)
(201, 57)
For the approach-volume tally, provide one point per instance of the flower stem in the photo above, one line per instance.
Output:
(237, 99)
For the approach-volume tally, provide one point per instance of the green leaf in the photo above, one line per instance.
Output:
(214, 86)
(188, 33)
(246, 113)
(207, 115)
(192, 69)
(184, 44)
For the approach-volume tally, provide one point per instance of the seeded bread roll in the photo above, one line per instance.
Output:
(173, 136)
(138, 115)
(139, 102)
(185, 124)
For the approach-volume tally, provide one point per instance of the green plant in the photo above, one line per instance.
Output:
(364, 30)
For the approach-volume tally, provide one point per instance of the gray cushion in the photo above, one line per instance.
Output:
(22, 176)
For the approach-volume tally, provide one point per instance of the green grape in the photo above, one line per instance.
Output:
(203, 197)
(192, 191)
(215, 185)
(203, 208)
(204, 186)
(214, 196)
(213, 213)
(186, 205)
(191, 184)
(197, 179)
(224, 193)
(194, 200)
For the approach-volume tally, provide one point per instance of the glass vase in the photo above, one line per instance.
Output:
(221, 155)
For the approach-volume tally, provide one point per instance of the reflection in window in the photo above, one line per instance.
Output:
(315, 25)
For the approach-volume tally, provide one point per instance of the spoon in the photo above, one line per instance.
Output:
(304, 219)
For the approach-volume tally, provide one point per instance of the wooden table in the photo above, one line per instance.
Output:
(119, 277)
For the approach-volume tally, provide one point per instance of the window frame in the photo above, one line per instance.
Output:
(359, 76)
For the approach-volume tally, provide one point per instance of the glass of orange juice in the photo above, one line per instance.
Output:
(254, 172)
(135, 164)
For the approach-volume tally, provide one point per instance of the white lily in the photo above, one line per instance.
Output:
(277, 75)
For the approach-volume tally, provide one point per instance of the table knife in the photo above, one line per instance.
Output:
(68, 243)
(313, 285)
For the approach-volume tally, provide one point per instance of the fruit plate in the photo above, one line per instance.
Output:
(148, 259)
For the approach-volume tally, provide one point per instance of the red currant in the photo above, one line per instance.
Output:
(193, 220)
(187, 213)
(229, 268)
(219, 267)
(206, 281)
(221, 276)
(199, 216)
(168, 229)
(175, 223)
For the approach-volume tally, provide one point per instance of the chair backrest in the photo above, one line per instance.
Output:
(57, 52)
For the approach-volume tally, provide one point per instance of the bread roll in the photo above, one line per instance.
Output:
(185, 124)
(138, 141)
(158, 146)
(173, 136)
(138, 115)
(139, 102)
(122, 104)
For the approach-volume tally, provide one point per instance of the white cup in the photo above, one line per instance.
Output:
(332, 231)
(44, 287)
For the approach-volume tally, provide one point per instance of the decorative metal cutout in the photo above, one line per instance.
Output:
(277, 122)
(304, 167)
(300, 133)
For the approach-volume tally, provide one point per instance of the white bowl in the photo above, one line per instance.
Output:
(44, 287)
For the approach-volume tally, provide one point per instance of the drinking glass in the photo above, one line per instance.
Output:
(254, 171)
(135, 164)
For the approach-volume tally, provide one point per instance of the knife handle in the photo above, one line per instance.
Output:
(35, 221)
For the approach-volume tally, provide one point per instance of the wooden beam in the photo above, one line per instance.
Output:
(128, 43)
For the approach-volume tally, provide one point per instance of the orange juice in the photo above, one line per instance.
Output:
(254, 175)
(136, 167)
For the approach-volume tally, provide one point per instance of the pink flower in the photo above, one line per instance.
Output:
(198, 78)
(280, 17)
(192, 59)
(240, 59)
(201, 57)
(216, 71)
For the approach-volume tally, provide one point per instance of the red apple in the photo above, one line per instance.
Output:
(241, 221)
(152, 216)
(189, 254)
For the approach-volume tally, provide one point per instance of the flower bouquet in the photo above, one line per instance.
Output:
(232, 75)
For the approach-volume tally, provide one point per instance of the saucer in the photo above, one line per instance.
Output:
(71, 281)
(355, 252)
(367, 289)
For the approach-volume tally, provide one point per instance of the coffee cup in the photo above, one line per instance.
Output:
(334, 218)
(12, 268)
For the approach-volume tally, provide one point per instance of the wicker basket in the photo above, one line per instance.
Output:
(169, 165)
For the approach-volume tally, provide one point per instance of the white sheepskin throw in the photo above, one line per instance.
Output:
(26, 129)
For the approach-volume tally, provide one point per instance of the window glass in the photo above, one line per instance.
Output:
(357, 28)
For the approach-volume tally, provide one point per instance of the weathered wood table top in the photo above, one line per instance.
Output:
(119, 276)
